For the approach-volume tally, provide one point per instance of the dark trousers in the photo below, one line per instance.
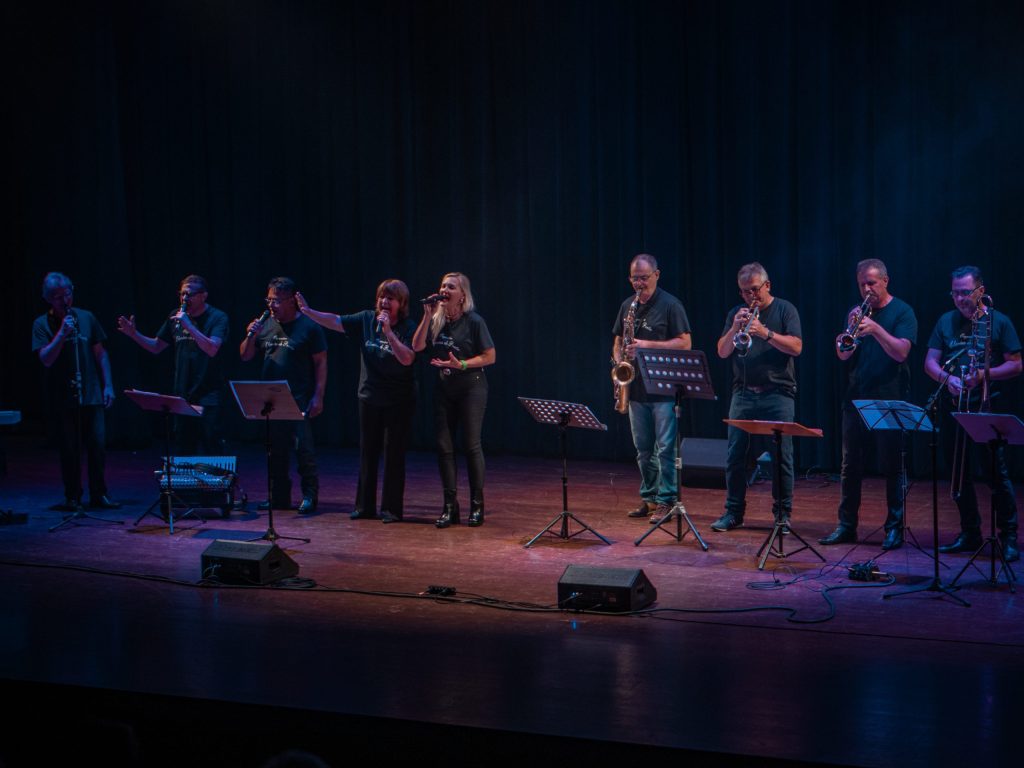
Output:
(93, 447)
(383, 429)
(766, 406)
(978, 460)
(199, 436)
(286, 436)
(461, 402)
(885, 444)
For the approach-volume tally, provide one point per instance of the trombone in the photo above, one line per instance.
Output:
(979, 354)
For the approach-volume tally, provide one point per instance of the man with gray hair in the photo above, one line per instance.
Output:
(762, 335)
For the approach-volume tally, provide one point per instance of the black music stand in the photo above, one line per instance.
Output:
(166, 405)
(269, 401)
(782, 526)
(684, 374)
(9, 517)
(998, 430)
(905, 417)
(563, 415)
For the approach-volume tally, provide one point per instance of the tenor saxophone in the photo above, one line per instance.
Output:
(623, 371)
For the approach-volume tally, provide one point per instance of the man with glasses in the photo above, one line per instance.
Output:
(762, 347)
(958, 360)
(294, 349)
(77, 386)
(878, 370)
(197, 330)
(659, 323)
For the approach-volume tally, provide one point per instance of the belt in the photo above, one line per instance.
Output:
(760, 390)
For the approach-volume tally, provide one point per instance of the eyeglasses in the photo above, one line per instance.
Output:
(962, 293)
(641, 278)
(753, 290)
(277, 302)
(63, 295)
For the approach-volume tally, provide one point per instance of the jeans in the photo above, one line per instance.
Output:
(92, 446)
(461, 400)
(285, 436)
(383, 429)
(857, 439)
(654, 436)
(765, 406)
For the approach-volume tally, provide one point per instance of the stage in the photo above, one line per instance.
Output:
(106, 629)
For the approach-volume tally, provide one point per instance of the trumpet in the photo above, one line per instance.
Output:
(848, 340)
(623, 371)
(742, 340)
(979, 352)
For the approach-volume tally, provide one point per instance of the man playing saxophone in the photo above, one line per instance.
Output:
(882, 340)
(659, 322)
(763, 337)
(956, 357)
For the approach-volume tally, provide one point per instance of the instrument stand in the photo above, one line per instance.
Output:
(166, 405)
(269, 401)
(935, 585)
(684, 373)
(563, 415)
(774, 545)
(997, 430)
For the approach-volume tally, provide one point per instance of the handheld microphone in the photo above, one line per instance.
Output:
(432, 299)
(263, 319)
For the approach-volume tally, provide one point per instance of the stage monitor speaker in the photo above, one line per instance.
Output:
(251, 563)
(703, 462)
(611, 590)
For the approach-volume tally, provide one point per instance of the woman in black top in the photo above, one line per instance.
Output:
(387, 394)
(461, 348)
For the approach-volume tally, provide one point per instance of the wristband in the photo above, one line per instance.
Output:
(462, 363)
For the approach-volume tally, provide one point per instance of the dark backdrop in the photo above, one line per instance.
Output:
(535, 146)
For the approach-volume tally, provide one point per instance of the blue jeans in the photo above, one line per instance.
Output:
(654, 435)
(764, 406)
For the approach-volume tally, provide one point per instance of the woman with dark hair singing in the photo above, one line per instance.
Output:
(461, 347)
(387, 394)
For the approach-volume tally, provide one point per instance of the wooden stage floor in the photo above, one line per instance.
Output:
(795, 664)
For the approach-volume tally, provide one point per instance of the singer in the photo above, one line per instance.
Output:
(461, 348)
(77, 386)
(294, 348)
(198, 331)
(387, 393)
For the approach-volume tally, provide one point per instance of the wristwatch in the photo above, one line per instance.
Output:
(771, 335)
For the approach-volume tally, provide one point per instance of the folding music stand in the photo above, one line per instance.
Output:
(781, 528)
(166, 405)
(684, 374)
(996, 429)
(563, 415)
(269, 401)
(905, 417)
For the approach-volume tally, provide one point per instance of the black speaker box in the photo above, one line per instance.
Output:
(703, 462)
(247, 562)
(611, 590)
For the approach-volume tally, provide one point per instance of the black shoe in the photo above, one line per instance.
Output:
(841, 535)
(644, 510)
(387, 517)
(727, 522)
(893, 540)
(308, 505)
(358, 514)
(263, 506)
(103, 502)
(68, 505)
(476, 518)
(449, 515)
(1010, 550)
(965, 542)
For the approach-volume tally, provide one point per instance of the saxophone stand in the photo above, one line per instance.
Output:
(998, 430)
(165, 405)
(563, 415)
(268, 401)
(774, 545)
(685, 374)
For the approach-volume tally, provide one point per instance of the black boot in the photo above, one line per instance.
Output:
(476, 510)
(450, 513)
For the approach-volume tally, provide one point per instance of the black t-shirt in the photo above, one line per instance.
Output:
(661, 318)
(383, 380)
(764, 365)
(952, 334)
(57, 378)
(873, 374)
(466, 337)
(198, 377)
(288, 350)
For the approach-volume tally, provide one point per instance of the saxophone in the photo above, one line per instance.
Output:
(623, 371)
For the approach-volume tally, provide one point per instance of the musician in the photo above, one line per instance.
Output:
(294, 349)
(951, 342)
(387, 393)
(877, 369)
(461, 347)
(197, 330)
(660, 322)
(763, 387)
(77, 387)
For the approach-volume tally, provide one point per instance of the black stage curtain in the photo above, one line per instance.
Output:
(535, 146)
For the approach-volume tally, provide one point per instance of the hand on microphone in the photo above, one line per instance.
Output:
(257, 325)
(383, 322)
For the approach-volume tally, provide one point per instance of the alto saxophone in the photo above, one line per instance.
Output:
(623, 371)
